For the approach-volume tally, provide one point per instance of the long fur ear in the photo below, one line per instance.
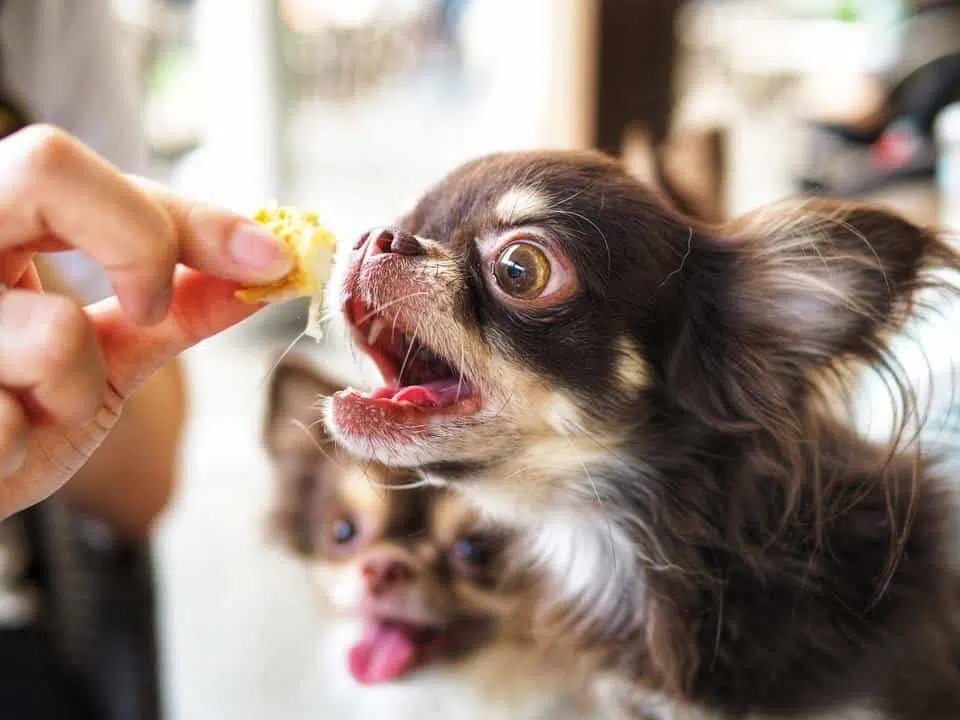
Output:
(775, 313)
(793, 296)
(299, 448)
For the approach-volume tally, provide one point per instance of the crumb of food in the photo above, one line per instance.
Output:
(313, 248)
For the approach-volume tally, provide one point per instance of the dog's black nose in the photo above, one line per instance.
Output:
(392, 240)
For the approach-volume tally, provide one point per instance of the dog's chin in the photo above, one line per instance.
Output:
(399, 434)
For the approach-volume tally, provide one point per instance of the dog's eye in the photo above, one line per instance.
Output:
(527, 270)
(472, 552)
(343, 531)
(522, 270)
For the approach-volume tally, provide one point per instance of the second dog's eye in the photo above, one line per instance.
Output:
(522, 270)
(472, 552)
(343, 531)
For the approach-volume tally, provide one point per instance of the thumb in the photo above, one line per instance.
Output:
(201, 307)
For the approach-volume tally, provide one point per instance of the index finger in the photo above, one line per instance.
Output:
(53, 188)
(52, 185)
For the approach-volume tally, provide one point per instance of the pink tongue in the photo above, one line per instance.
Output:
(440, 393)
(384, 653)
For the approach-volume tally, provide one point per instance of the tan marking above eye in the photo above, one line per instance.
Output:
(520, 204)
(449, 516)
(360, 491)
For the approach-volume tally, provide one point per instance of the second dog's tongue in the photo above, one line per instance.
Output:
(384, 653)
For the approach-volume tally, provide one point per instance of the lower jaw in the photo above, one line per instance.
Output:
(362, 418)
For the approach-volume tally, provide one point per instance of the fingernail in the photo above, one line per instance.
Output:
(261, 252)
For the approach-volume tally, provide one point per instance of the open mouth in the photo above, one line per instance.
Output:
(390, 649)
(419, 385)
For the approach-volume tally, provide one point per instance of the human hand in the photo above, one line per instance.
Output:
(65, 371)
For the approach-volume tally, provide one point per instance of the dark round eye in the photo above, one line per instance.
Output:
(472, 552)
(522, 270)
(343, 531)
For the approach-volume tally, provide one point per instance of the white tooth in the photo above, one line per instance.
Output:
(376, 327)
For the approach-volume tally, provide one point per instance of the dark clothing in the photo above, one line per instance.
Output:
(36, 685)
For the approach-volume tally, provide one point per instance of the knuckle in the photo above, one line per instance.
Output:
(46, 148)
(87, 403)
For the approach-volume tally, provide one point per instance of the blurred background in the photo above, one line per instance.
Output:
(352, 107)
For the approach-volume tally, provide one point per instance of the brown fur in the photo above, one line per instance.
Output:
(317, 483)
(763, 557)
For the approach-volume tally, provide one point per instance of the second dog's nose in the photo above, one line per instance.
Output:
(392, 240)
(385, 573)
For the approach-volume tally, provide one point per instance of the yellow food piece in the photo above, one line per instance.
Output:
(313, 248)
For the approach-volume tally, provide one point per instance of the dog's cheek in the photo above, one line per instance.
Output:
(589, 376)
(485, 599)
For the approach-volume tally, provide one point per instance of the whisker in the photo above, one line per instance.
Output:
(387, 487)
(683, 260)
(603, 237)
(318, 403)
(460, 368)
(365, 472)
(391, 303)
(406, 357)
(316, 443)
(273, 369)
(393, 328)
(401, 486)
(504, 406)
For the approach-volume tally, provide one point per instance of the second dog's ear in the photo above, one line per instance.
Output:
(295, 437)
(294, 417)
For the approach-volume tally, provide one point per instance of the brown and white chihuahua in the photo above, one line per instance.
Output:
(656, 403)
(411, 580)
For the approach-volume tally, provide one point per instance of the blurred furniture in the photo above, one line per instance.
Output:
(637, 53)
(757, 53)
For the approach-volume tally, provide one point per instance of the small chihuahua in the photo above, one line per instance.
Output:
(656, 404)
(411, 577)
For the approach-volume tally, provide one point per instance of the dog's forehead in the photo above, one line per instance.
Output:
(358, 490)
(409, 513)
(511, 189)
(451, 515)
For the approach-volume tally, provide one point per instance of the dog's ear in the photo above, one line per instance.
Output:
(300, 451)
(767, 319)
(294, 411)
(792, 296)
